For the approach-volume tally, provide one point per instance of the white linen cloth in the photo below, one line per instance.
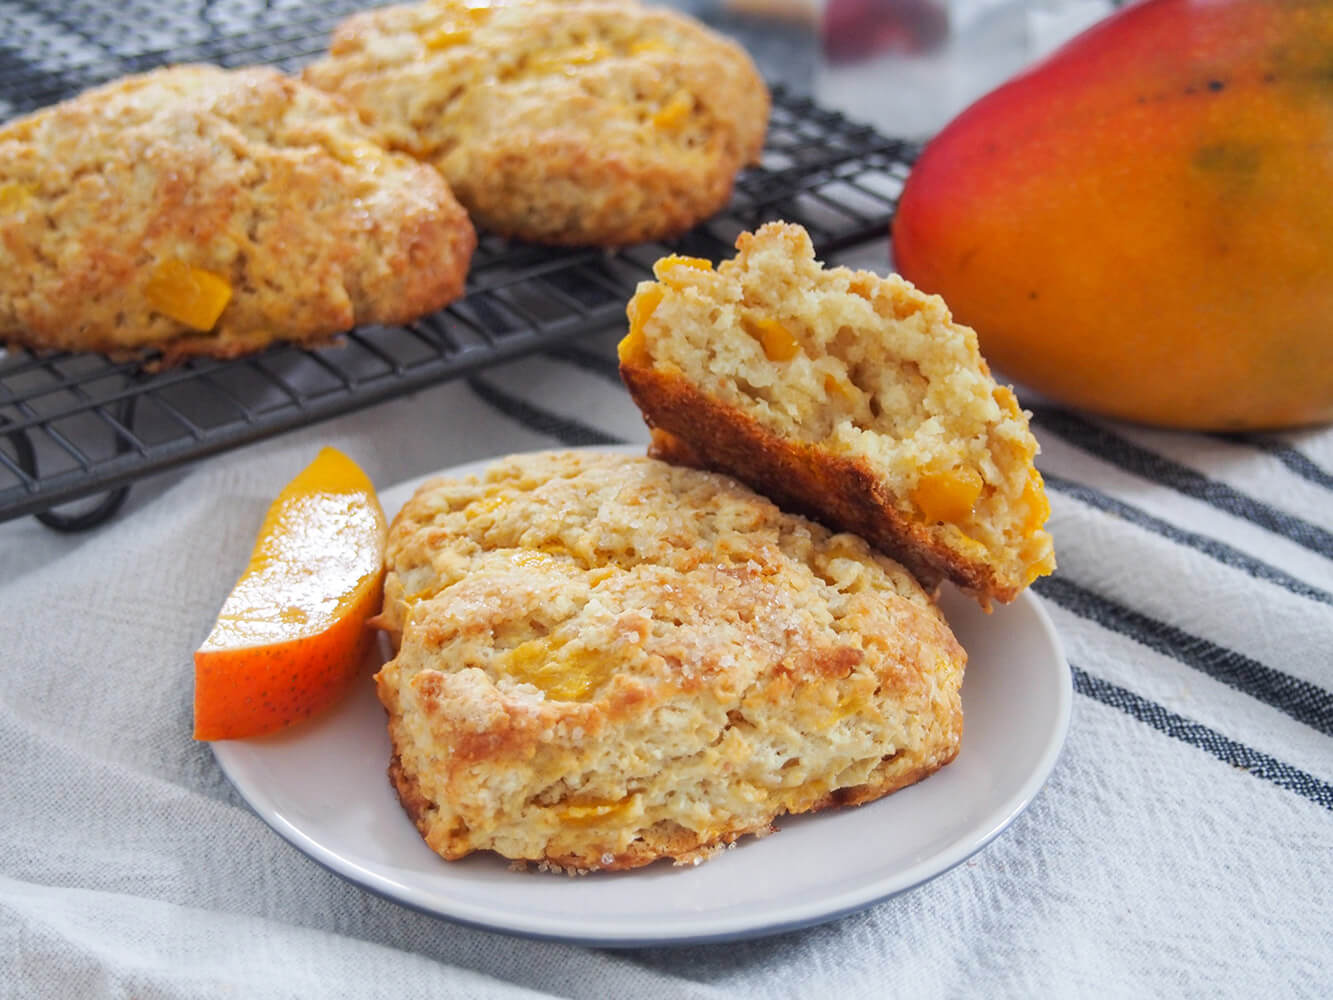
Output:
(1183, 845)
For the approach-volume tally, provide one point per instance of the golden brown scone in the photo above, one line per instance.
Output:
(574, 122)
(604, 660)
(845, 395)
(197, 210)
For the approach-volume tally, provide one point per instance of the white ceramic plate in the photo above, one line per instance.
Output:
(323, 787)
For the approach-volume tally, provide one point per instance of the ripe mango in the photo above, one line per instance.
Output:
(1142, 224)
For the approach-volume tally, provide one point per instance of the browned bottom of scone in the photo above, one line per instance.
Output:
(511, 188)
(797, 476)
(666, 840)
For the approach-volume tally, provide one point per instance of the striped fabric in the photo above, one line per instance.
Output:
(1182, 846)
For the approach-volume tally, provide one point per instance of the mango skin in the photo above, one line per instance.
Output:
(1142, 224)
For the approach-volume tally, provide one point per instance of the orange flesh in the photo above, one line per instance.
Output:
(446, 37)
(591, 812)
(639, 310)
(562, 678)
(240, 693)
(649, 45)
(948, 496)
(487, 506)
(14, 196)
(1039, 507)
(568, 60)
(675, 111)
(189, 295)
(293, 630)
(776, 340)
(839, 389)
(667, 266)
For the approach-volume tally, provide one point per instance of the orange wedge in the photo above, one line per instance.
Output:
(293, 633)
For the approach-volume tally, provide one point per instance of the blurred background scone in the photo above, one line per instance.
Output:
(846, 395)
(576, 122)
(197, 210)
(604, 660)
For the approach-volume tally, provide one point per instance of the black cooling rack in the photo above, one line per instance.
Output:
(76, 426)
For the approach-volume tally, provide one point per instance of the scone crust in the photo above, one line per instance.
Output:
(566, 122)
(847, 421)
(829, 488)
(604, 660)
(271, 185)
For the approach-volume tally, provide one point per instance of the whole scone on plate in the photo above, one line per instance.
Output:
(573, 122)
(198, 210)
(848, 396)
(603, 660)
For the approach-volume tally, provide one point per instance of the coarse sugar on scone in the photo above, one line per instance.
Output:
(603, 660)
(198, 210)
(845, 395)
(574, 122)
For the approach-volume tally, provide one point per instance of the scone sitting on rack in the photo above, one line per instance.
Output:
(603, 660)
(573, 122)
(845, 395)
(197, 210)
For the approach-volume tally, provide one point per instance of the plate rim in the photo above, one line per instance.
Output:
(716, 929)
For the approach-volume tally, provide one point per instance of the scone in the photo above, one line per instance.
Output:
(848, 396)
(197, 210)
(604, 660)
(572, 122)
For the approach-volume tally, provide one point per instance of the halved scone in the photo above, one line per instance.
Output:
(603, 660)
(848, 396)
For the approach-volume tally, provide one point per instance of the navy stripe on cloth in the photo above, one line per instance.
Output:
(1113, 448)
(1209, 546)
(1305, 702)
(1287, 455)
(605, 367)
(564, 430)
(1210, 741)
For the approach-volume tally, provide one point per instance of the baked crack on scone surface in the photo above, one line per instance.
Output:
(198, 210)
(574, 122)
(603, 660)
(845, 395)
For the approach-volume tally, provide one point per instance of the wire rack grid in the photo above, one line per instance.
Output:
(76, 426)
